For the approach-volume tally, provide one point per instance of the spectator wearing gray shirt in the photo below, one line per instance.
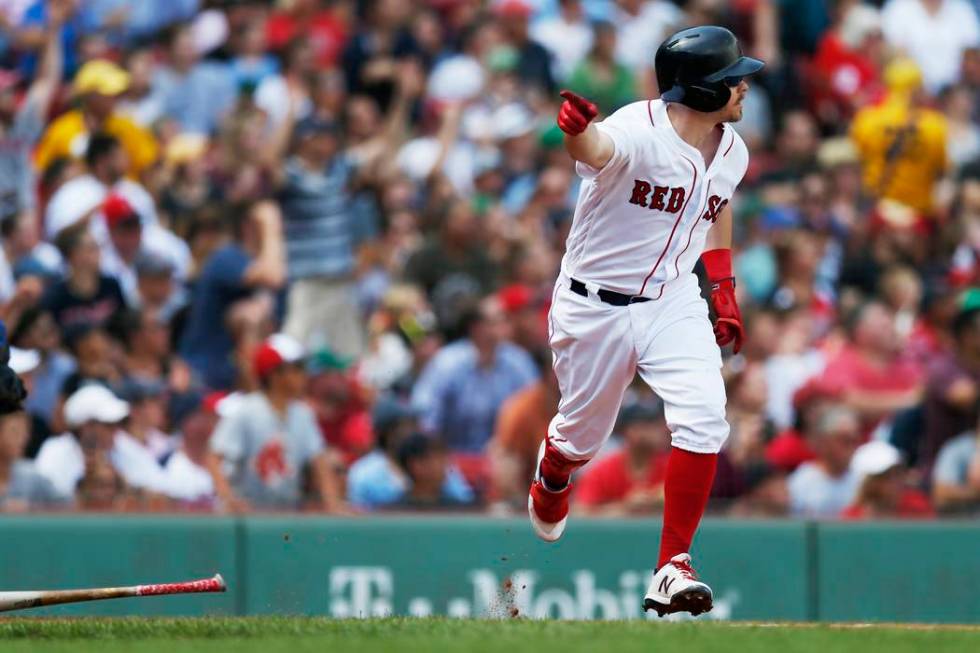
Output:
(324, 223)
(22, 488)
(269, 442)
(956, 475)
(824, 487)
(21, 124)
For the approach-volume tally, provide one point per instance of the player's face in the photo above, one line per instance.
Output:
(732, 112)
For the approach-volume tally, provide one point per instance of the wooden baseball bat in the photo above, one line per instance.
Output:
(36, 599)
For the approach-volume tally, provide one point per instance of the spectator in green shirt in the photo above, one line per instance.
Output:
(600, 77)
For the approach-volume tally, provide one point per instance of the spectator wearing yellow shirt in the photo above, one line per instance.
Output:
(901, 143)
(97, 87)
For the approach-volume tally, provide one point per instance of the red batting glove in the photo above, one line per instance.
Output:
(576, 113)
(728, 319)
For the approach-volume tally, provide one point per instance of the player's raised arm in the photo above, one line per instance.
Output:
(583, 141)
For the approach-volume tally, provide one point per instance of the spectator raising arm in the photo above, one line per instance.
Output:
(269, 267)
(46, 83)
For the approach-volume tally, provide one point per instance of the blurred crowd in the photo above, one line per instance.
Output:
(299, 254)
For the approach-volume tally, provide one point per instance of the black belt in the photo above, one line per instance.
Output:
(607, 296)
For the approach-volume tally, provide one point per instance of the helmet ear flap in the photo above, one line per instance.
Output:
(706, 97)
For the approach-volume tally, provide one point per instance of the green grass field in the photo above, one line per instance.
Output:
(299, 635)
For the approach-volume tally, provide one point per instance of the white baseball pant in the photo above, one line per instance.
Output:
(598, 348)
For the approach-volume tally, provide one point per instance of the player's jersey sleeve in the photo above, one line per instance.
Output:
(622, 128)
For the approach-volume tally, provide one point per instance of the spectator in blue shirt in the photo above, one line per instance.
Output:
(195, 93)
(254, 260)
(463, 387)
(377, 480)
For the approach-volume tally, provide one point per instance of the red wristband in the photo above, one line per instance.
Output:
(718, 264)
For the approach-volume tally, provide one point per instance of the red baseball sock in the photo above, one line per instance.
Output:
(556, 470)
(686, 489)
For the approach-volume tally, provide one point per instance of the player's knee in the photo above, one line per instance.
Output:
(705, 433)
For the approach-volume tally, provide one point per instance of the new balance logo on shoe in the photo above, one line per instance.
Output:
(665, 584)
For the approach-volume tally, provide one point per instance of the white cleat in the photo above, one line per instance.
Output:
(676, 588)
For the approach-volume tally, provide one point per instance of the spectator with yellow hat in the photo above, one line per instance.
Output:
(97, 88)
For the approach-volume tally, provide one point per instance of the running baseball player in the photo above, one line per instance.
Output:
(658, 178)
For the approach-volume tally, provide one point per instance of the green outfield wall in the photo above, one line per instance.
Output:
(469, 566)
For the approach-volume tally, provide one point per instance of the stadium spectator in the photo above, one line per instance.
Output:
(341, 405)
(463, 387)
(426, 464)
(567, 36)
(23, 121)
(92, 414)
(226, 304)
(37, 331)
(952, 388)
(956, 475)
(601, 77)
(521, 427)
(629, 481)
(419, 139)
(24, 363)
(934, 33)
(194, 417)
(85, 295)
(147, 416)
(643, 25)
(323, 227)
(97, 86)
(22, 487)
(324, 27)
(825, 486)
(872, 373)
(882, 492)
(269, 443)
(902, 145)
(82, 198)
(194, 93)
(129, 240)
(847, 63)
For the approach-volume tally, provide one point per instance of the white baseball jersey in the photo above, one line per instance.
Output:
(642, 220)
(640, 226)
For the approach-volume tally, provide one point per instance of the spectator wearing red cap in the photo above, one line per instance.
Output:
(529, 323)
(533, 61)
(262, 452)
(128, 238)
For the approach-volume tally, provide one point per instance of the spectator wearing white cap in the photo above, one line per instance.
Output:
(883, 493)
(262, 451)
(92, 413)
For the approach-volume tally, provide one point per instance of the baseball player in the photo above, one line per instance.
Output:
(658, 178)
